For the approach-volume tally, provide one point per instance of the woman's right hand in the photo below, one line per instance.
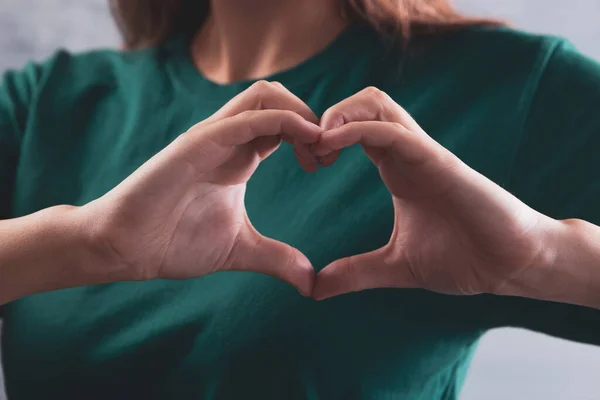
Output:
(181, 214)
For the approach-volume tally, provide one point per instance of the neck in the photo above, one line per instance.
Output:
(252, 39)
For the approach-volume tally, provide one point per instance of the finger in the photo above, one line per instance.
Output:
(360, 272)
(257, 253)
(306, 158)
(329, 159)
(249, 125)
(264, 95)
(411, 147)
(208, 146)
(278, 84)
(370, 104)
(266, 145)
(303, 152)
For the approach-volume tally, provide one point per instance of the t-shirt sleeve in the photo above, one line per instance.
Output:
(17, 91)
(557, 172)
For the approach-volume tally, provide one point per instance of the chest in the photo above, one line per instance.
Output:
(232, 330)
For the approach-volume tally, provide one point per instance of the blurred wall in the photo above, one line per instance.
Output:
(576, 20)
(33, 29)
(510, 364)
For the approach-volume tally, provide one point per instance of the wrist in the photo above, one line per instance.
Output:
(78, 248)
(574, 259)
(567, 268)
(97, 262)
(49, 250)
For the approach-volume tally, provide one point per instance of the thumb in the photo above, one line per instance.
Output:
(257, 253)
(376, 269)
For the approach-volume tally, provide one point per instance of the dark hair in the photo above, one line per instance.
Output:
(149, 22)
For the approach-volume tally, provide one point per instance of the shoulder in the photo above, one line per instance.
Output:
(508, 57)
(506, 70)
(552, 73)
(499, 46)
(77, 71)
(67, 83)
(552, 91)
(64, 71)
(496, 64)
(504, 39)
(488, 55)
(63, 64)
(537, 56)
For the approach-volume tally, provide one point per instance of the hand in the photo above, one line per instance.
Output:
(181, 214)
(455, 231)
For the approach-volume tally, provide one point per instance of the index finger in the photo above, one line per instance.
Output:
(249, 125)
(411, 147)
(370, 104)
(264, 95)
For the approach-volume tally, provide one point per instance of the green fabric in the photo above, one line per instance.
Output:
(519, 108)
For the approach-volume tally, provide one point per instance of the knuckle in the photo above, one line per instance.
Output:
(333, 118)
(380, 100)
(397, 127)
(261, 88)
(248, 118)
(287, 115)
(261, 85)
(289, 122)
(247, 114)
(374, 93)
(290, 114)
(327, 114)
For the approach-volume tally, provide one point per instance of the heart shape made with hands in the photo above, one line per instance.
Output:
(455, 231)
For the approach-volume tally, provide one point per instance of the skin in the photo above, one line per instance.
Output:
(184, 207)
(180, 215)
(455, 231)
(251, 39)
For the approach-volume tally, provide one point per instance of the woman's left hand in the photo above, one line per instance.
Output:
(455, 231)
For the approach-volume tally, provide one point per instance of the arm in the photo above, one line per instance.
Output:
(557, 173)
(457, 232)
(569, 266)
(178, 216)
(48, 250)
(16, 90)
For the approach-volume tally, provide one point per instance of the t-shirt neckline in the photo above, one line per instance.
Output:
(341, 49)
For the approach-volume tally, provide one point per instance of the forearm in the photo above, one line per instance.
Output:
(48, 250)
(568, 270)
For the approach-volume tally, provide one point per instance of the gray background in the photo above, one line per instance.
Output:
(510, 363)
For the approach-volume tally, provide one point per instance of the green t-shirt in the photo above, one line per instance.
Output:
(519, 108)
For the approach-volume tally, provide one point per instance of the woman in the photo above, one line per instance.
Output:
(106, 200)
